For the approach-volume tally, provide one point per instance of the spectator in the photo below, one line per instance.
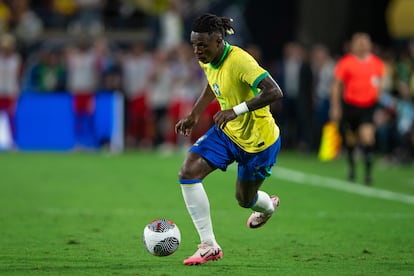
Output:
(405, 124)
(5, 17)
(385, 114)
(26, 25)
(106, 65)
(186, 84)
(171, 26)
(295, 77)
(62, 12)
(88, 17)
(395, 117)
(404, 103)
(162, 82)
(322, 65)
(411, 53)
(82, 81)
(136, 70)
(10, 73)
(47, 74)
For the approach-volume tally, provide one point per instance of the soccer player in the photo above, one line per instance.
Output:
(355, 91)
(244, 131)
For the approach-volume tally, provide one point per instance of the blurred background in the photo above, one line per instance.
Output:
(99, 74)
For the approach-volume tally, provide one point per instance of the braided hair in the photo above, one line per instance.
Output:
(210, 23)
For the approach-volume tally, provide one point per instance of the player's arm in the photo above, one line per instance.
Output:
(202, 102)
(185, 125)
(269, 93)
(335, 109)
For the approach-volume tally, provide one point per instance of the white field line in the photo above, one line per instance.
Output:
(298, 177)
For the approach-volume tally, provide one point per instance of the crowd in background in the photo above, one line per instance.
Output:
(160, 78)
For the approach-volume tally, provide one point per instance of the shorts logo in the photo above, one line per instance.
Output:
(200, 140)
(216, 89)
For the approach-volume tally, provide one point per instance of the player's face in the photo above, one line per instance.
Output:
(361, 43)
(206, 46)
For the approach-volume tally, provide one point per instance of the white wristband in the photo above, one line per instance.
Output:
(240, 108)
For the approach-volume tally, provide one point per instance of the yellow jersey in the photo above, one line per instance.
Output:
(234, 79)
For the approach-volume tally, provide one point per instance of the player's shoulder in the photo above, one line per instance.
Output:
(347, 61)
(236, 53)
(347, 58)
(378, 62)
(376, 58)
(238, 57)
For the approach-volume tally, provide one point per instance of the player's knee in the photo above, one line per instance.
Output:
(368, 139)
(186, 173)
(243, 202)
(183, 174)
(350, 138)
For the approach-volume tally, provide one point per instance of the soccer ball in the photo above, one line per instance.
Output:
(161, 237)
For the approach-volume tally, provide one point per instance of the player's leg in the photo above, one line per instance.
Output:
(252, 171)
(248, 195)
(350, 141)
(211, 147)
(367, 138)
(349, 125)
(193, 171)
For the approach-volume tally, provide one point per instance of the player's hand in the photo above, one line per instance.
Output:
(184, 126)
(222, 117)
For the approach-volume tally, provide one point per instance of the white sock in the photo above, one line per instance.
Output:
(198, 207)
(263, 203)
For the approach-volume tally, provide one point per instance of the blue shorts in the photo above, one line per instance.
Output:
(220, 151)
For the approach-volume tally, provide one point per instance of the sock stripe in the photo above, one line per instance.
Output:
(190, 181)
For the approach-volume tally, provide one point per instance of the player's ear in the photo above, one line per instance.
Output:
(219, 40)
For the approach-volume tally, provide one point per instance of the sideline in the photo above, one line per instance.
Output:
(341, 185)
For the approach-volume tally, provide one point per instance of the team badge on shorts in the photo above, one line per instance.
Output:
(199, 140)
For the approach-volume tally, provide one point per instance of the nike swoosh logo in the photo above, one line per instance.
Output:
(214, 253)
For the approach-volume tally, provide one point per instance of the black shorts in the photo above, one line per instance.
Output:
(353, 116)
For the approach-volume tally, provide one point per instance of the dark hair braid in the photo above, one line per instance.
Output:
(209, 23)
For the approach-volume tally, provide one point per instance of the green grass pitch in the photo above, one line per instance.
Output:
(84, 213)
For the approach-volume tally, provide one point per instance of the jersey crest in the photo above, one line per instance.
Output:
(216, 89)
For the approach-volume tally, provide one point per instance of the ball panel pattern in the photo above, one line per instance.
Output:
(166, 247)
(161, 225)
(161, 237)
